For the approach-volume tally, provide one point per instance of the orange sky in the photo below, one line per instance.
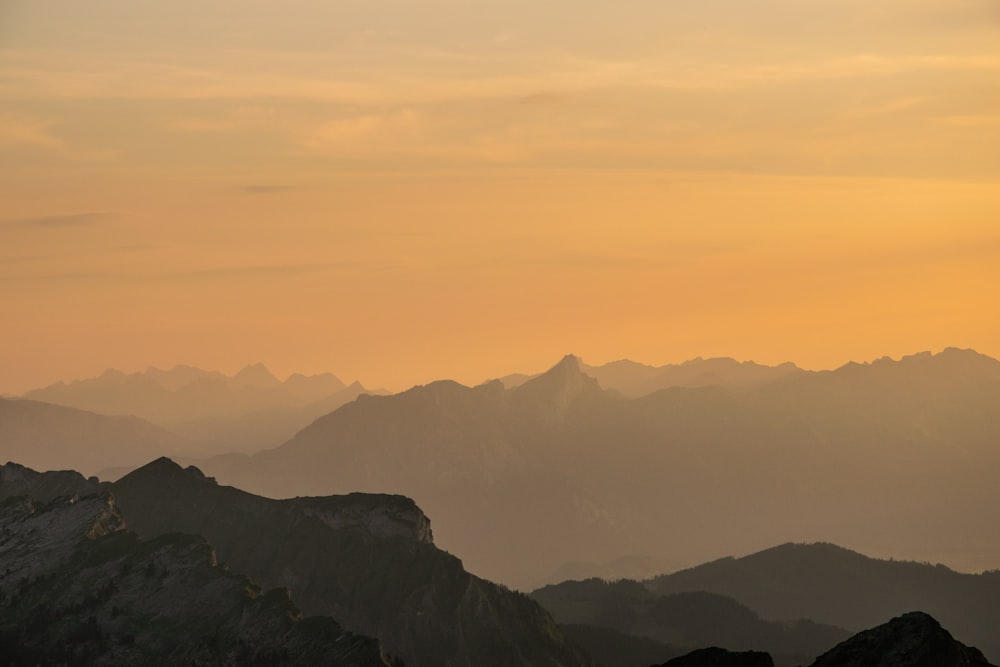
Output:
(398, 192)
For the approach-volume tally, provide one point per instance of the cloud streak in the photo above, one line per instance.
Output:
(71, 220)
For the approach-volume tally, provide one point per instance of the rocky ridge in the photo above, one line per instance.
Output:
(77, 588)
(366, 560)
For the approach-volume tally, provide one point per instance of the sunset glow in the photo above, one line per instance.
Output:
(398, 191)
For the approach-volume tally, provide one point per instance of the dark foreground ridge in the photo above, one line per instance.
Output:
(718, 657)
(367, 560)
(911, 640)
(76, 588)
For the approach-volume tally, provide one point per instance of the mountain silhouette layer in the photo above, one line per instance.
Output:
(206, 410)
(887, 457)
(914, 640)
(833, 585)
(54, 437)
(686, 620)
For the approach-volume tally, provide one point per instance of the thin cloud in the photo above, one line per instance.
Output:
(265, 189)
(60, 221)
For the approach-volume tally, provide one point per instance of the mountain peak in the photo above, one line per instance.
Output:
(559, 387)
(255, 376)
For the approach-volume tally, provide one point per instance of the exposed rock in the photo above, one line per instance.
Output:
(366, 560)
(17, 480)
(76, 588)
(718, 657)
(911, 640)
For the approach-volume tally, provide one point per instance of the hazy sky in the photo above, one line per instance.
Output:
(401, 191)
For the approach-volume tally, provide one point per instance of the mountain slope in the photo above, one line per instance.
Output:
(911, 640)
(368, 561)
(685, 620)
(888, 457)
(79, 589)
(834, 585)
(53, 437)
(210, 411)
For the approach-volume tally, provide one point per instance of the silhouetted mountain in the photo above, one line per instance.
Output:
(254, 376)
(366, 560)
(635, 380)
(631, 566)
(632, 379)
(78, 589)
(833, 585)
(212, 413)
(889, 457)
(685, 620)
(717, 657)
(912, 640)
(53, 437)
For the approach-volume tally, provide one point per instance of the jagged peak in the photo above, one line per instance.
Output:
(255, 375)
(559, 386)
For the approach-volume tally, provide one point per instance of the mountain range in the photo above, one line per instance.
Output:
(54, 437)
(792, 601)
(207, 411)
(77, 587)
(368, 561)
(887, 457)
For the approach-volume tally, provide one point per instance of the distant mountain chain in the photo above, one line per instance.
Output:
(892, 457)
(533, 481)
(198, 412)
(813, 595)
(77, 587)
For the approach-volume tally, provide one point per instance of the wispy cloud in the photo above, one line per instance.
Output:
(290, 269)
(265, 189)
(18, 129)
(58, 221)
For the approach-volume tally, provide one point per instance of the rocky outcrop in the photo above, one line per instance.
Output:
(76, 588)
(17, 480)
(719, 657)
(366, 560)
(910, 640)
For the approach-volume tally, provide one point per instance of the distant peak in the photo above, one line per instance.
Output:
(256, 376)
(570, 362)
(559, 386)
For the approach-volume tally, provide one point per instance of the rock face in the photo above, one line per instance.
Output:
(366, 560)
(911, 640)
(718, 657)
(76, 588)
(17, 480)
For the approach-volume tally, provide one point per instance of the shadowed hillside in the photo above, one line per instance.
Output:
(686, 620)
(833, 585)
(53, 437)
(366, 560)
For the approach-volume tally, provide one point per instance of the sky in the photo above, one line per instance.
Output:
(399, 192)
